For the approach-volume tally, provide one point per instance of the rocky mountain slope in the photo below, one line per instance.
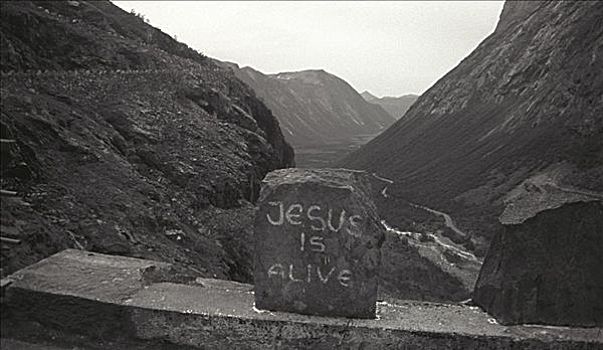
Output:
(395, 106)
(318, 112)
(526, 103)
(119, 139)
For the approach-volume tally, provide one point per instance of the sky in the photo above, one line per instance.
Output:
(387, 48)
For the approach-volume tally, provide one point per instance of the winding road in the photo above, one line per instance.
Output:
(575, 191)
(447, 220)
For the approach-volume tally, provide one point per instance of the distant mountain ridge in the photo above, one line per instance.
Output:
(395, 106)
(315, 107)
(368, 96)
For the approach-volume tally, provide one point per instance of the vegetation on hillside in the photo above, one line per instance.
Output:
(126, 142)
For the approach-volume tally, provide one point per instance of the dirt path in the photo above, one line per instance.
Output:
(447, 219)
(575, 191)
(438, 240)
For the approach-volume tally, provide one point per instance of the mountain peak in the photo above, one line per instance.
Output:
(516, 12)
(368, 96)
(395, 106)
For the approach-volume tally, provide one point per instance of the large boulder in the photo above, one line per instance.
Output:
(317, 243)
(546, 268)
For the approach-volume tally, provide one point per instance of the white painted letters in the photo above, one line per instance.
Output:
(341, 220)
(317, 244)
(325, 279)
(344, 277)
(276, 270)
(322, 225)
(355, 223)
(290, 216)
(325, 221)
(294, 214)
(281, 219)
(293, 279)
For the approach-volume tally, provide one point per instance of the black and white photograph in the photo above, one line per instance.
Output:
(323, 175)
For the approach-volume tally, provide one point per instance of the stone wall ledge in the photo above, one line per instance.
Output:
(93, 301)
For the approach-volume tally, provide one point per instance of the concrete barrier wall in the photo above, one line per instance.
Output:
(83, 298)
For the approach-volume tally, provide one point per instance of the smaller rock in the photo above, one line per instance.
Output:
(547, 269)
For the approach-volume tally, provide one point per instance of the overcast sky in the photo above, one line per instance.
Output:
(388, 48)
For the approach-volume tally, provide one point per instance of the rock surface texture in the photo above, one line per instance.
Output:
(126, 142)
(317, 243)
(527, 101)
(547, 268)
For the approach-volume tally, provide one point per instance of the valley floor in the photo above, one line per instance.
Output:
(322, 156)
